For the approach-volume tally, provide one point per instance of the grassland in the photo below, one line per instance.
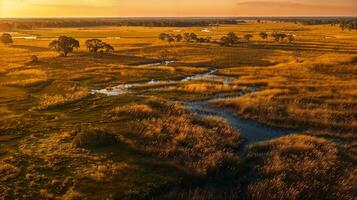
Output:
(60, 141)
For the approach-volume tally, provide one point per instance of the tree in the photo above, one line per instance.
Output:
(278, 36)
(34, 58)
(247, 37)
(164, 55)
(108, 48)
(64, 45)
(263, 35)
(162, 36)
(290, 38)
(282, 36)
(6, 38)
(229, 40)
(193, 37)
(186, 37)
(95, 45)
(170, 38)
(179, 38)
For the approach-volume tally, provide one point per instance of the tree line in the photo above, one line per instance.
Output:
(65, 44)
(228, 40)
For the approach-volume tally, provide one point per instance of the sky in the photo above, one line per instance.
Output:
(176, 8)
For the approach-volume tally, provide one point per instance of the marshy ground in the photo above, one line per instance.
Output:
(259, 120)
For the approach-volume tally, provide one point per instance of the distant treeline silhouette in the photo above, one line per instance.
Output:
(11, 24)
(349, 23)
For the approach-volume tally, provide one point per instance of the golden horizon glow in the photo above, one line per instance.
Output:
(175, 8)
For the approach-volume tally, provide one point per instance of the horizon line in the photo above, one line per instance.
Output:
(251, 16)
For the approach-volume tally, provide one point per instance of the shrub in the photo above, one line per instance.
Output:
(6, 38)
(89, 137)
(34, 58)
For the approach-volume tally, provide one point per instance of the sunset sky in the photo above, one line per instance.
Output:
(176, 8)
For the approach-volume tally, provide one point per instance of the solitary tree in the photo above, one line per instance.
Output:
(64, 45)
(95, 45)
(247, 37)
(263, 35)
(6, 38)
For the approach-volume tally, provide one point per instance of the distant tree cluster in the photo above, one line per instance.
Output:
(65, 45)
(348, 25)
(96, 45)
(279, 37)
(193, 37)
(187, 37)
(6, 38)
(229, 40)
(263, 35)
(170, 37)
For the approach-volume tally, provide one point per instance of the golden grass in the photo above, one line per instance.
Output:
(203, 87)
(301, 167)
(27, 82)
(28, 72)
(313, 94)
(203, 144)
(134, 110)
(48, 102)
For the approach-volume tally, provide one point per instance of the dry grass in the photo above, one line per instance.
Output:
(49, 102)
(28, 72)
(93, 137)
(134, 110)
(203, 87)
(301, 167)
(206, 145)
(303, 97)
(30, 82)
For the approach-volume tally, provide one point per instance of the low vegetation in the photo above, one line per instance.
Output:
(6, 38)
(89, 137)
(301, 167)
(206, 145)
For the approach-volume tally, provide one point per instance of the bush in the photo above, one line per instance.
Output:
(34, 58)
(89, 137)
(6, 38)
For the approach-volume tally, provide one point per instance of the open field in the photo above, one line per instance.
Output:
(261, 119)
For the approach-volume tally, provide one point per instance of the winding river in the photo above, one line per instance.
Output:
(251, 131)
